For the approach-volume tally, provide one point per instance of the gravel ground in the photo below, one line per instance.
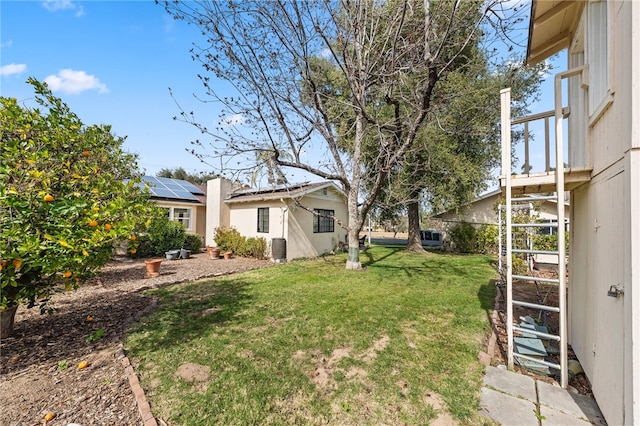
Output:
(39, 371)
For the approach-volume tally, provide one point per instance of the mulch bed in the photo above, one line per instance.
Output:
(528, 292)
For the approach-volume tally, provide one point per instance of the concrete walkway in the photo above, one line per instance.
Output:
(514, 399)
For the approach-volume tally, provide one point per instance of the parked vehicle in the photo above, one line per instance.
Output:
(431, 238)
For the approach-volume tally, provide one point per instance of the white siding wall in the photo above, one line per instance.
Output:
(605, 227)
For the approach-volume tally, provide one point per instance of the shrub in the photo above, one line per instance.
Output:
(487, 239)
(163, 235)
(193, 242)
(463, 237)
(549, 242)
(231, 240)
(255, 247)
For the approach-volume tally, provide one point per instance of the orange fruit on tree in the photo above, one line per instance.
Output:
(132, 237)
(86, 153)
(93, 223)
(132, 251)
(67, 274)
(17, 263)
(107, 226)
(48, 198)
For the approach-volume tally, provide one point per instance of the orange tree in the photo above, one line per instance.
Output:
(68, 193)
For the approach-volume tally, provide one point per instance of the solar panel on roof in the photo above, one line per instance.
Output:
(161, 192)
(172, 188)
(185, 194)
(192, 188)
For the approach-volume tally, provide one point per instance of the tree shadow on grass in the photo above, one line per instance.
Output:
(371, 260)
(189, 312)
(432, 265)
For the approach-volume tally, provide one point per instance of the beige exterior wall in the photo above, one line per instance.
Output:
(244, 218)
(605, 233)
(293, 223)
(482, 211)
(302, 241)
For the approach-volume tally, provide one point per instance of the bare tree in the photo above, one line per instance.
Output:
(387, 56)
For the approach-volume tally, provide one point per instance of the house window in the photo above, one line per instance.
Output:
(322, 223)
(553, 229)
(183, 216)
(263, 220)
(598, 56)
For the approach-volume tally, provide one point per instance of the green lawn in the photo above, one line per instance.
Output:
(312, 343)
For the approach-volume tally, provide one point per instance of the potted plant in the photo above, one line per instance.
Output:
(228, 255)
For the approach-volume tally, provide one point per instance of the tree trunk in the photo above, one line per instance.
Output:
(7, 319)
(353, 262)
(414, 243)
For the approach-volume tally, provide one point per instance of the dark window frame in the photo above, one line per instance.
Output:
(322, 223)
(263, 220)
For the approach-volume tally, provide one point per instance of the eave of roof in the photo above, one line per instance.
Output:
(280, 192)
(475, 200)
(179, 200)
(551, 27)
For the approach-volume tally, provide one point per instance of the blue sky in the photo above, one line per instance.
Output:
(112, 62)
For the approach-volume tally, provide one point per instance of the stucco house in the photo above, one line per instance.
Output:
(483, 210)
(306, 216)
(597, 111)
(183, 201)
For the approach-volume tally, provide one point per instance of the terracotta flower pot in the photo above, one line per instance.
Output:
(153, 267)
(214, 252)
(228, 255)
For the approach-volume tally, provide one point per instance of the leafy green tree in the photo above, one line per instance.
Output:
(388, 58)
(180, 173)
(68, 193)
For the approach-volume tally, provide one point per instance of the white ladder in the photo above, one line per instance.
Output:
(561, 308)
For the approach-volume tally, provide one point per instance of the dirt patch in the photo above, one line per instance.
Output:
(438, 405)
(39, 364)
(193, 372)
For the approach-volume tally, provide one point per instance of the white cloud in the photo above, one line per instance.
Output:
(73, 82)
(7, 43)
(56, 5)
(233, 120)
(12, 69)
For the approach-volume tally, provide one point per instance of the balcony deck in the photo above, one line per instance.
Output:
(535, 183)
